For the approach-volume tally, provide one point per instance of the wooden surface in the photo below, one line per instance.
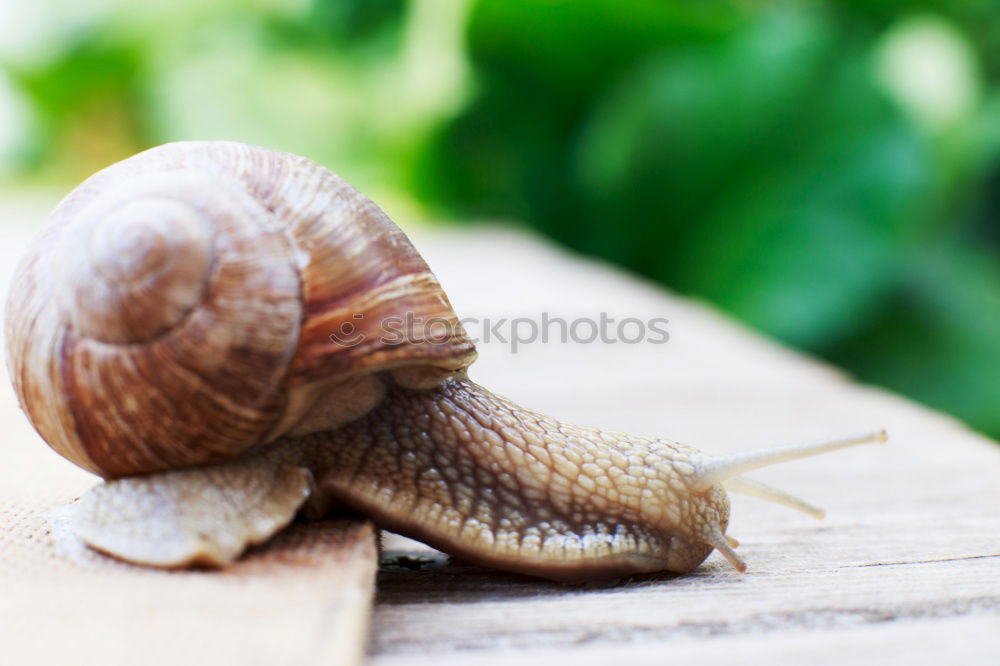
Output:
(305, 598)
(906, 566)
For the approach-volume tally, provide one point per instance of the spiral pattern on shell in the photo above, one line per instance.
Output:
(179, 304)
(141, 261)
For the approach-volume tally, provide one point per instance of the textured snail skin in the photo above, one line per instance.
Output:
(456, 466)
(462, 469)
(173, 329)
(474, 474)
(204, 515)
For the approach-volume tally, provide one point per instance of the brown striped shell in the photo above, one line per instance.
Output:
(196, 300)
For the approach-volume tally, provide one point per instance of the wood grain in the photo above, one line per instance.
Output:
(304, 598)
(905, 567)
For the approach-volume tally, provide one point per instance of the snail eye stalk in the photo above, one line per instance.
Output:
(720, 469)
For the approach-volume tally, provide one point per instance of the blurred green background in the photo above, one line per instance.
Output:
(828, 172)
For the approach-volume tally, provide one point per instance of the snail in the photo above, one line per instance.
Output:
(178, 328)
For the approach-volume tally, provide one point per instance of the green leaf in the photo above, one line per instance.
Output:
(938, 338)
(768, 175)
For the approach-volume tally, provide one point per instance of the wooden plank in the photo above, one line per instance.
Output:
(304, 598)
(906, 565)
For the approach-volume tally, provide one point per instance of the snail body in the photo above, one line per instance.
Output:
(174, 330)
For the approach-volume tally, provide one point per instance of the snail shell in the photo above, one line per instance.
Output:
(178, 308)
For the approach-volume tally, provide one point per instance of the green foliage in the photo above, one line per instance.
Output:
(756, 159)
(828, 172)
(770, 168)
(93, 83)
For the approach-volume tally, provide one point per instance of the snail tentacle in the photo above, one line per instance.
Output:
(718, 469)
(754, 488)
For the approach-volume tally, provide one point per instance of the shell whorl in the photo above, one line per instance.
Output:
(177, 308)
(136, 262)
